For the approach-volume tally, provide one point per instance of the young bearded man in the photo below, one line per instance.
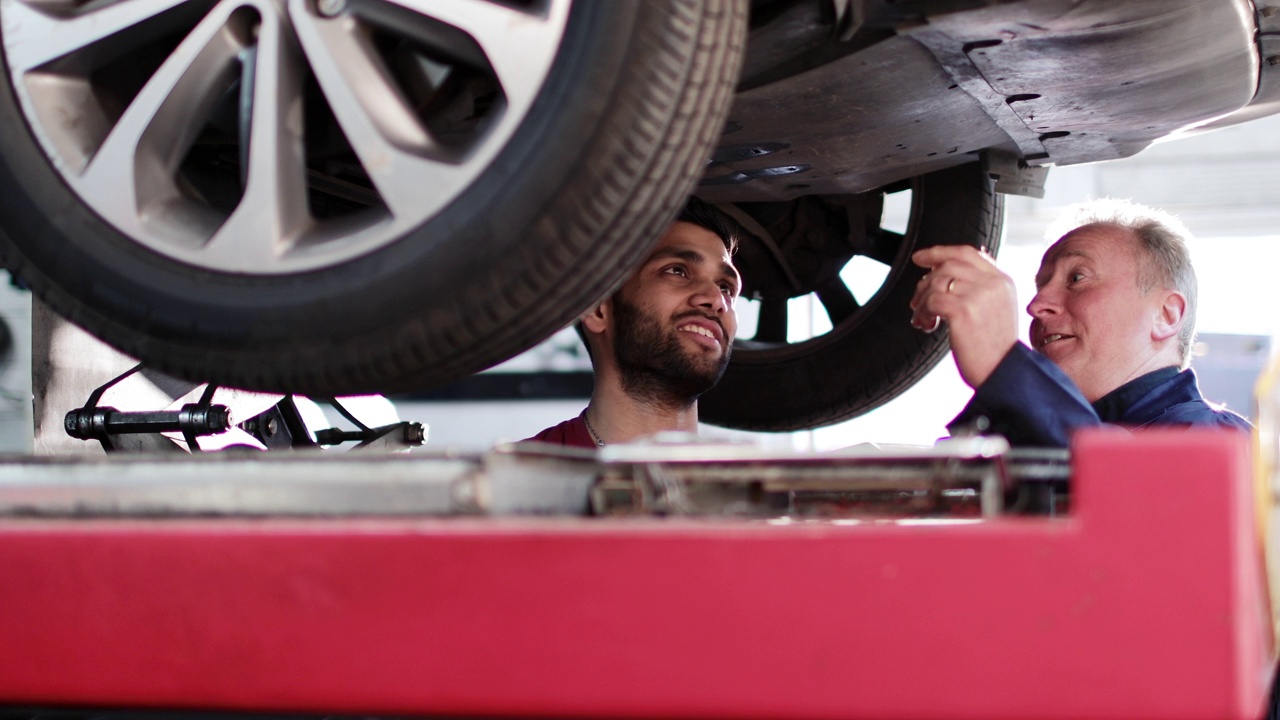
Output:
(1113, 322)
(663, 339)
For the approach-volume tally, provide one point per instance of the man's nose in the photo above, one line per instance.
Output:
(1044, 303)
(711, 297)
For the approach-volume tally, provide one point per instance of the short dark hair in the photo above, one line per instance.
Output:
(707, 216)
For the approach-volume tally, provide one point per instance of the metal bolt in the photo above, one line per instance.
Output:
(1273, 60)
(414, 434)
(331, 8)
(1267, 12)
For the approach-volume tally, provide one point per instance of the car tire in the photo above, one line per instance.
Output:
(608, 149)
(872, 354)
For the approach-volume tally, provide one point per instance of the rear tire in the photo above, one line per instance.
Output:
(873, 354)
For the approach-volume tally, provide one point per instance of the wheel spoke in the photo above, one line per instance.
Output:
(838, 300)
(518, 45)
(882, 246)
(395, 149)
(352, 76)
(33, 38)
(772, 324)
(132, 174)
(273, 211)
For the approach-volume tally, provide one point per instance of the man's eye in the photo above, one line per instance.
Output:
(728, 289)
(1075, 277)
(676, 270)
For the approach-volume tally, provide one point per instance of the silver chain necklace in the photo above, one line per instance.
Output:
(591, 430)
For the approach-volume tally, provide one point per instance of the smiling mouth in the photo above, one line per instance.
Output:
(1052, 338)
(698, 330)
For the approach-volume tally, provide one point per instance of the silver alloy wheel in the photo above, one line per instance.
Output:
(275, 136)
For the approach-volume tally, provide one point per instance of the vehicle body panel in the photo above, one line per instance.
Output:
(1049, 81)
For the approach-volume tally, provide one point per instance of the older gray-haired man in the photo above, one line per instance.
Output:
(1112, 326)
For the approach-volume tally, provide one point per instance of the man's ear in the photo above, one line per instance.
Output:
(596, 320)
(1170, 316)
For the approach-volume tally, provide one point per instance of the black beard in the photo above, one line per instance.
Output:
(653, 365)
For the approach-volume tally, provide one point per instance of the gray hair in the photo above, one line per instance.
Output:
(1165, 256)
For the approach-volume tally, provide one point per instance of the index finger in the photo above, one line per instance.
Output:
(932, 257)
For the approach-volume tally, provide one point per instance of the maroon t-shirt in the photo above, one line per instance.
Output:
(570, 433)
